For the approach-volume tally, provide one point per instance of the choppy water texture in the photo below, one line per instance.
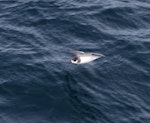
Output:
(38, 84)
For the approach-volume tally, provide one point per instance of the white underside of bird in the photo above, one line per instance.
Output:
(82, 57)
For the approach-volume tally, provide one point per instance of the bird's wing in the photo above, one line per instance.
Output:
(97, 54)
(78, 53)
(94, 54)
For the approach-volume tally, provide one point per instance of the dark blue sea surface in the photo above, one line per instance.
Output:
(38, 84)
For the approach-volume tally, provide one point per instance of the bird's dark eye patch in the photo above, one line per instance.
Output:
(75, 59)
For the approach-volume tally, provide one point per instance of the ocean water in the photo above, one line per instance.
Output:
(38, 84)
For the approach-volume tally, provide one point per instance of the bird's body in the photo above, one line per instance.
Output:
(82, 57)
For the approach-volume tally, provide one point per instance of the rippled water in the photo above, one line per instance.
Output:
(38, 84)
